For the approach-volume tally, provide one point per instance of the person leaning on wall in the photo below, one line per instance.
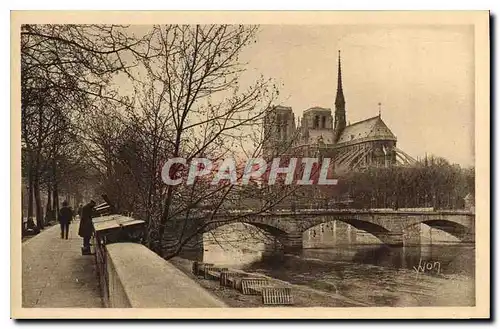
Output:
(85, 230)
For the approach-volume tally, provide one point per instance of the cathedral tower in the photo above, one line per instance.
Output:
(279, 129)
(340, 120)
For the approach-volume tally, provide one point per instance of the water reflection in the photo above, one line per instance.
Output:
(376, 275)
(453, 258)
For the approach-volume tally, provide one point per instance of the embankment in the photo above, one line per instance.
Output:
(303, 295)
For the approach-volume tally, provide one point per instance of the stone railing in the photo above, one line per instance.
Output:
(137, 277)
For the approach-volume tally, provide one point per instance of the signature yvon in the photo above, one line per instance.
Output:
(428, 267)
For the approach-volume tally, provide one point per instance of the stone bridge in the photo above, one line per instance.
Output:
(391, 227)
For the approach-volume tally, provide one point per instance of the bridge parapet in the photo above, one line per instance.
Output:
(332, 211)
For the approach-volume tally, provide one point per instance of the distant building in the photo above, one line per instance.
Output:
(369, 142)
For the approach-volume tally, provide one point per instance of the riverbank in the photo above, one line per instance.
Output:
(303, 296)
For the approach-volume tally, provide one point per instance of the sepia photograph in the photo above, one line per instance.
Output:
(250, 165)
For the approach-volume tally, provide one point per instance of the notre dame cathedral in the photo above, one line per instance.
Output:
(355, 146)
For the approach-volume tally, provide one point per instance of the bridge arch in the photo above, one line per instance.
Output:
(461, 232)
(280, 235)
(378, 231)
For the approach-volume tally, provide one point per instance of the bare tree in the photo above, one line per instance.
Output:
(64, 69)
(189, 103)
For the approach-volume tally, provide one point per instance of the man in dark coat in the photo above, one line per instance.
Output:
(65, 218)
(85, 229)
(80, 210)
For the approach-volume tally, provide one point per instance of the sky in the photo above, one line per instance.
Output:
(422, 75)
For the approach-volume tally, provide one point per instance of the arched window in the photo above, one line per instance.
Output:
(316, 121)
(323, 122)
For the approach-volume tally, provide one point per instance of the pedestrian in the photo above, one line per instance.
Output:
(65, 218)
(86, 228)
(80, 210)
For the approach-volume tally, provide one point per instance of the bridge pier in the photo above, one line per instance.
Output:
(469, 237)
(272, 245)
(411, 235)
(292, 243)
(393, 239)
(192, 250)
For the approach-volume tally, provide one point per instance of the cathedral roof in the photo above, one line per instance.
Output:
(318, 108)
(282, 108)
(373, 128)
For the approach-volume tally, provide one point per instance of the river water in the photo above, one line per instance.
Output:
(438, 274)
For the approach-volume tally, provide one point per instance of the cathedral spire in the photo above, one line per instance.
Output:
(339, 100)
(340, 117)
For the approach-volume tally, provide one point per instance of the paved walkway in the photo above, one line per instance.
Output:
(55, 274)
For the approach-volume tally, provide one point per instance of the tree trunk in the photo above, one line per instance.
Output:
(55, 199)
(30, 194)
(38, 204)
(49, 214)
